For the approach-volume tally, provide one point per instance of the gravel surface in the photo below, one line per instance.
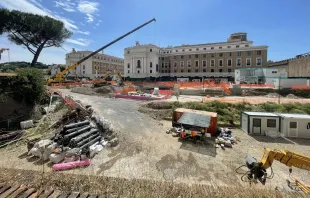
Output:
(147, 152)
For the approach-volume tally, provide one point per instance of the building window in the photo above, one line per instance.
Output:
(212, 55)
(196, 70)
(189, 56)
(221, 70)
(212, 63)
(196, 56)
(181, 70)
(183, 50)
(204, 70)
(174, 63)
(249, 53)
(204, 56)
(189, 71)
(271, 123)
(212, 48)
(83, 66)
(228, 46)
(182, 57)
(190, 50)
(175, 57)
(258, 61)
(229, 70)
(197, 49)
(182, 63)
(238, 53)
(138, 64)
(246, 46)
(229, 53)
(196, 63)
(166, 65)
(237, 46)
(204, 63)
(189, 63)
(204, 48)
(162, 58)
(157, 67)
(212, 70)
(221, 63)
(151, 51)
(151, 64)
(220, 54)
(220, 47)
(128, 52)
(274, 72)
(176, 50)
(229, 62)
(259, 53)
(238, 62)
(162, 65)
(128, 65)
(248, 62)
(128, 71)
(83, 72)
(151, 71)
(138, 71)
(293, 125)
(175, 71)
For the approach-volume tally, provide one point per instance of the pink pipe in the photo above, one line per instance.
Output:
(69, 165)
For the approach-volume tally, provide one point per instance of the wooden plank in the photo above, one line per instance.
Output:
(64, 195)
(55, 194)
(84, 195)
(46, 193)
(29, 192)
(20, 190)
(74, 195)
(10, 191)
(4, 188)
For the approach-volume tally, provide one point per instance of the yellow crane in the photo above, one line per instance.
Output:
(257, 169)
(59, 78)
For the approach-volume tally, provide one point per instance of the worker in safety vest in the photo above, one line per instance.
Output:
(194, 136)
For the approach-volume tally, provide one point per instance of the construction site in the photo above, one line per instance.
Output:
(113, 137)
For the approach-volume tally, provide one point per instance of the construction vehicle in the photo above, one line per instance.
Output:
(258, 170)
(4, 49)
(59, 78)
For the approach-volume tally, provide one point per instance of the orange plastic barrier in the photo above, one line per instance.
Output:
(301, 87)
(258, 85)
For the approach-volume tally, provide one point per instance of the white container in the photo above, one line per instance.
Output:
(26, 124)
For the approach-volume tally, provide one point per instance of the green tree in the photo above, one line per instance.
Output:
(62, 67)
(33, 31)
(29, 85)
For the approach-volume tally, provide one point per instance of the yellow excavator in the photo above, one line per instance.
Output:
(257, 169)
(59, 78)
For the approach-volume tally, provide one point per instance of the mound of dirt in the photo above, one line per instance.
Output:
(291, 96)
(103, 90)
(159, 105)
(272, 95)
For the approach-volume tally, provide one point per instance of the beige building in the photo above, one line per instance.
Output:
(299, 66)
(212, 59)
(95, 66)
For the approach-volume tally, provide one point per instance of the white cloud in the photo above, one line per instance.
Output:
(36, 8)
(66, 5)
(80, 41)
(88, 8)
(81, 32)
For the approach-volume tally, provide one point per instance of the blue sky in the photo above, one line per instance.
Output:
(283, 25)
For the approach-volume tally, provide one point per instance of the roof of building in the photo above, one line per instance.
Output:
(212, 114)
(291, 115)
(195, 119)
(260, 114)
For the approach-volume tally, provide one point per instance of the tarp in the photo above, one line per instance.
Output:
(194, 119)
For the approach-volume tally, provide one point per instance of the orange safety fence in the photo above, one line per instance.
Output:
(125, 90)
(112, 82)
(301, 87)
(257, 85)
(66, 84)
(69, 101)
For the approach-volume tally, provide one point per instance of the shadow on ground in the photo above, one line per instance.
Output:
(272, 140)
(204, 148)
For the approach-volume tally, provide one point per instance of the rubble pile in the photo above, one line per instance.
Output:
(225, 139)
(76, 142)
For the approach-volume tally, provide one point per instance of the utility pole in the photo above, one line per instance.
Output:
(279, 96)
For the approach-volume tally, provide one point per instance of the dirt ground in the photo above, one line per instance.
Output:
(147, 152)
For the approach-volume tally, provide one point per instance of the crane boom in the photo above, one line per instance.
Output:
(59, 76)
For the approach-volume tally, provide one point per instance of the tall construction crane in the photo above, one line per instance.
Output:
(59, 77)
(257, 169)
(2, 50)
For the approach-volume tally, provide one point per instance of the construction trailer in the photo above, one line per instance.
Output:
(195, 119)
(287, 125)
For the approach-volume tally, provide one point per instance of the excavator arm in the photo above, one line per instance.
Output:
(257, 170)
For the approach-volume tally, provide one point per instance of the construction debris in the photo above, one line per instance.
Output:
(225, 139)
(26, 124)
